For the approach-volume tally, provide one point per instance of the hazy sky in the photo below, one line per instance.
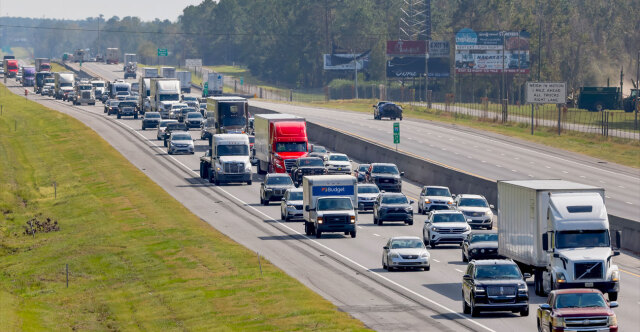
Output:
(147, 10)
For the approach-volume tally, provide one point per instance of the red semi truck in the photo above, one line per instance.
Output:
(11, 67)
(280, 139)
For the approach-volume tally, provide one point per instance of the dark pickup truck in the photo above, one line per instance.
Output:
(385, 109)
(173, 126)
(307, 166)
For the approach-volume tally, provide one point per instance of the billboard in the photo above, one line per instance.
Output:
(400, 67)
(406, 47)
(346, 61)
(491, 52)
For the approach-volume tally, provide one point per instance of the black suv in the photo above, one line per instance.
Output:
(480, 246)
(392, 207)
(494, 285)
(307, 166)
(385, 176)
(386, 109)
(127, 108)
(173, 126)
(274, 186)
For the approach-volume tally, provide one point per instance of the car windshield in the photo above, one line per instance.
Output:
(169, 97)
(497, 271)
(580, 300)
(122, 93)
(166, 122)
(189, 99)
(291, 147)
(406, 243)
(150, 115)
(175, 125)
(181, 137)
(98, 85)
(448, 217)
(127, 104)
(233, 150)
(310, 162)
(65, 84)
(327, 204)
(203, 106)
(84, 87)
(582, 238)
(114, 103)
(385, 169)
(438, 192)
(484, 237)
(295, 196)
(178, 106)
(368, 190)
(394, 199)
(194, 115)
(338, 157)
(318, 148)
(475, 202)
(282, 180)
(363, 168)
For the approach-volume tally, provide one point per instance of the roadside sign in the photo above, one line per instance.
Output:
(193, 62)
(396, 133)
(206, 85)
(241, 80)
(546, 92)
(163, 52)
(205, 90)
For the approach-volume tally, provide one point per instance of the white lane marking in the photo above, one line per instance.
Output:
(547, 166)
(605, 196)
(470, 157)
(374, 234)
(435, 260)
(629, 203)
(530, 175)
(498, 166)
(513, 170)
(360, 227)
(602, 181)
(516, 158)
(484, 161)
(458, 270)
(329, 249)
(582, 176)
(565, 172)
(621, 187)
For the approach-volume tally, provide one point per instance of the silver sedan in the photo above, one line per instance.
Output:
(405, 252)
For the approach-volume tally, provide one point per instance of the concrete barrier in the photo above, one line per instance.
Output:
(424, 171)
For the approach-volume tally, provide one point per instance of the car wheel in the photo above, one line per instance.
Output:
(143, 128)
(427, 268)
(490, 227)
(464, 257)
(264, 201)
(465, 307)
(432, 244)
(613, 296)
(217, 182)
(119, 116)
(318, 234)
(249, 182)
(353, 234)
(410, 222)
(380, 222)
(474, 311)
(282, 217)
(419, 209)
(165, 143)
(384, 265)
(525, 312)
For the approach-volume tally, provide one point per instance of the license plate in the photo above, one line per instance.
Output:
(588, 284)
(339, 169)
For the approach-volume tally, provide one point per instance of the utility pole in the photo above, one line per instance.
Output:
(99, 19)
(502, 91)
(355, 65)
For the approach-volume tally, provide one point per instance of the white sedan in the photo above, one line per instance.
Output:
(405, 252)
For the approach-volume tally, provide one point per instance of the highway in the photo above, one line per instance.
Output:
(346, 271)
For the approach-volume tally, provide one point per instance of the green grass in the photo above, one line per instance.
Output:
(138, 260)
(621, 151)
(19, 52)
(56, 67)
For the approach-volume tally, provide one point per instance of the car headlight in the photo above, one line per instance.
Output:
(424, 255)
(560, 278)
(353, 219)
(558, 322)
(408, 209)
(435, 229)
(291, 206)
(467, 228)
(427, 201)
(319, 220)
(615, 275)
(394, 255)
(523, 288)
(613, 320)
(478, 289)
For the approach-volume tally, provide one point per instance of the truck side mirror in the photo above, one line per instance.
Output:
(545, 242)
(306, 208)
(545, 306)
(401, 173)
(618, 235)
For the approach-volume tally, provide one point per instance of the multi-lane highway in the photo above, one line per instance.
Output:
(348, 271)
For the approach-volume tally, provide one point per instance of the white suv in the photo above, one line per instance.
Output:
(434, 198)
(475, 209)
(338, 163)
(447, 227)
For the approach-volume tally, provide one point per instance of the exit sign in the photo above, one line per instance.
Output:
(163, 52)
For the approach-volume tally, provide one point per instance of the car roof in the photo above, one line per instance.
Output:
(494, 262)
(336, 154)
(277, 175)
(446, 212)
(367, 185)
(439, 187)
(383, 164)
(180, 132)
(470, 196)
(393, 194)
(405, 238)
(577, 290)
(295, 190)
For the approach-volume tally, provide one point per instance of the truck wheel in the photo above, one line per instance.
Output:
(599, 107)
(209, 175)
(119, 116)
(217, 181)
(135, 116)
(318, 234)
(537, 283)
(249, 182)
(201, 175)
(525, 312)
(143, 128)
(380, 222)
(165, 143)
(613, 296)
(353, 234)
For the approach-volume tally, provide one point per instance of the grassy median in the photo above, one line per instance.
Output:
(138, 259)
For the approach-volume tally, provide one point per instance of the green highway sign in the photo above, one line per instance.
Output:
(163, 52)
(396, 133)
(205, 90)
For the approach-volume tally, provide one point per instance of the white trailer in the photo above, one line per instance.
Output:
(185, 81)
(215, 84)
(168, 72)
(150, 72)
(329, 204)
(559, 230)
(227, 159)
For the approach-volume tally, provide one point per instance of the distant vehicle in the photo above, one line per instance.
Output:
(171, 127)
(367, 195)
(230, 113)
(175, 113)
(111, 106)
(185, 99)
(291, 205)
(193, 120)
(127, 108)
(387, 109)
(168, 72)
(318, 151)
(306, 166)
(480, 246)
(476, 209)
(150, 120)
(99, 88)
(435, 198)
(215, 84)
(43, 64)
(10, 68)
(84, 94)
(392, 207)
(130, 70)
(227, 160)
(385, 176)
(41, 80)
(577, 310)
(28, 75)
(185, 81)
(329, 204)
(129, 58)
(113, 56)
(164, 92)
(162, 126)
(361, 172)
(494, 285)
(64, 83)
(205, 128)
(338, 163)
(274, 187)
(180, 142)
(405, 252)
(445, 226)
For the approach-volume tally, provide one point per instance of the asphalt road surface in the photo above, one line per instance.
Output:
(346, 271)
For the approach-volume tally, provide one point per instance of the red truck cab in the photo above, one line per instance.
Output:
(280, 139)
(11, 67)
(581, 309)
(45, 67)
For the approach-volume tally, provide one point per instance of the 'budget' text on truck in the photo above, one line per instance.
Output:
(280, 139)
(163, 94)
(328, 204)
(227, 159)
(230, 115)
(559, 230)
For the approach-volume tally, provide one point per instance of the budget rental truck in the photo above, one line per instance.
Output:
(280, 139)
(227, 159)
(559, 230)
(328, 204)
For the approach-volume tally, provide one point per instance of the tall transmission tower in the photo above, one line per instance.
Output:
(415, 21)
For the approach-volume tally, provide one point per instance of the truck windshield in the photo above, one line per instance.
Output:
(169, 97)
(49, 80)
(580, 300)
(477, 202)
(233, 150)
(438, 192)
(385, 169)
(582, 238)
(291, 147)
(122, 88)
(65, 84)
(497, 271)
(327, 204)
(84, 87)
(449, 217)
(98, 85)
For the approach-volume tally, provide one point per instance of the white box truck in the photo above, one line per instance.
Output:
(168, 72)
(64, 83)
(227, 159)
(215, 84)
(113, 56)
(150, 72)
(185, 81)
(164, 92)
(559, 230)
(329, 204)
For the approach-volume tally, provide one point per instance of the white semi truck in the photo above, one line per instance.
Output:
(227, 159)
(145, 88)
(164, 92)
(168, 72)
(185, 81)
(329, 204)
(559, 230)
(64, 83)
